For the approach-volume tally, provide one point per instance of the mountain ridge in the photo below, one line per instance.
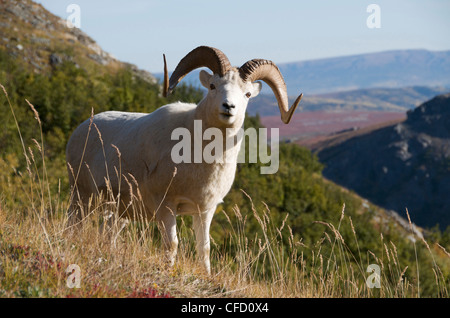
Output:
(403, 165)
(393, 68)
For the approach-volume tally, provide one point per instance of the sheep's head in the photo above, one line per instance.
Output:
(229, 87)
(228, 96)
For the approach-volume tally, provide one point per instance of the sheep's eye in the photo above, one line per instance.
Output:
(212, 86)
(248, 95)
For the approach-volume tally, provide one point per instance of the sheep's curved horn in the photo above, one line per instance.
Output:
(267, 71)
(202, 56)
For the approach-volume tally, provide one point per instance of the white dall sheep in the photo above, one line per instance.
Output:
(145, 143)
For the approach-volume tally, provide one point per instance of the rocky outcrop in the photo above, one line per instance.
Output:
(406, 165)
(44, 41)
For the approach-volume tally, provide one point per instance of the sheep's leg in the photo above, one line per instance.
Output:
(202, 222)
(78, 208)
(74, 214)
(167, 224)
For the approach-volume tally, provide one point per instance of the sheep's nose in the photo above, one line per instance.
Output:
(228, 106)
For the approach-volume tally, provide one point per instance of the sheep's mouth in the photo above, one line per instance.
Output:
(227, 115)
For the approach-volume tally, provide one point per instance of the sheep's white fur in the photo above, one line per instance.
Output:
(145, 144)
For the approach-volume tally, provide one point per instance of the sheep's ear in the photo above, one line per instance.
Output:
(204, 78)
(256, 88)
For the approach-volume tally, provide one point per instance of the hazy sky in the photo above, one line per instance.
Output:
(140, 31)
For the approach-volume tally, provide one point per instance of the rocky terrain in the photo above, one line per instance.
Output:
(404, 165)
(42, 40)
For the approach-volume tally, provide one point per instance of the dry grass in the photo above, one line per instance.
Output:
(122, 258)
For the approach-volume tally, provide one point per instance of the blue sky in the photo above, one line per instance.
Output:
(140, 31)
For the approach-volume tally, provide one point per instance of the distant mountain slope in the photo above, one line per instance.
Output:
(369, 99)
(402, 165)
(384, 69)
(320, 142)
(308, 126)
